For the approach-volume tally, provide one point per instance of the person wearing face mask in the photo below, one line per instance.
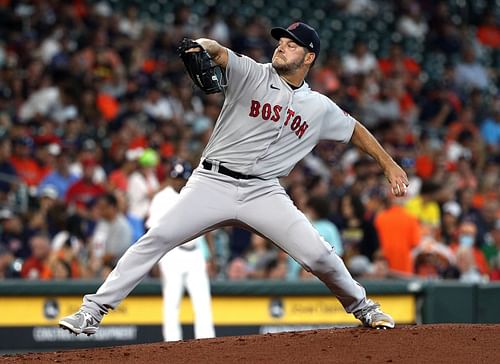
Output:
(466, 240)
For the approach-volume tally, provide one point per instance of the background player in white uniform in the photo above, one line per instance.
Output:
(269, 121)
(183, 267)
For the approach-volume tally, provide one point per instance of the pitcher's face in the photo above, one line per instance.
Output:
(288, 56)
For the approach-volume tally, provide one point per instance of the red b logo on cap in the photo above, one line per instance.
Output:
(293, 26)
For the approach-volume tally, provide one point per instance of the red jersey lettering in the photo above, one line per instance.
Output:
(254, 109)
(302, 129)
(276, 109)
(289, 114)
(266, 111)
(296, 122)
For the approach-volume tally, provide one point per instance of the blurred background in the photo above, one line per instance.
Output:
(95, 108)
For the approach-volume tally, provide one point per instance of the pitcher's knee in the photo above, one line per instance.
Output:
(156, 237)
(325, 262)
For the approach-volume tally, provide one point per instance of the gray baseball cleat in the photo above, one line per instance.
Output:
(373, 316)
(80, 322)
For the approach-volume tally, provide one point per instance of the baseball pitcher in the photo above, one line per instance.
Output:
(270, 120)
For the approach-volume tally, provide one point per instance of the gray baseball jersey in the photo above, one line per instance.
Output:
(265, 127)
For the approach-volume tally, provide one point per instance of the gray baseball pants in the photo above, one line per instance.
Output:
(210, 200)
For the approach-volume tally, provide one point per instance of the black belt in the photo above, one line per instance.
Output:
(208, 165)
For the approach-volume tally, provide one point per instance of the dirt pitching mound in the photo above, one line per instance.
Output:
(457, 343)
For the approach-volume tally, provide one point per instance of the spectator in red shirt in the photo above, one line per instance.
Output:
(118, 179)
(36, 266)
(488, 33)
(398, 61)
(85, 189)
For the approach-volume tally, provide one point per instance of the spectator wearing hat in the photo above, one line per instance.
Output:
(451, 212)
(47, 198)
(89, 150)
(432, 258)
(143, 184)
(60, 178)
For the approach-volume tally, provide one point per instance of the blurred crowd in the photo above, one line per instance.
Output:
(95, 108)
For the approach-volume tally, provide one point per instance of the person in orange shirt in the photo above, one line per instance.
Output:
(399, 232)
(467, 233)
(25, 166)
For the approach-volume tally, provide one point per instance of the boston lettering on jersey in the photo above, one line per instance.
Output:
(273, 113)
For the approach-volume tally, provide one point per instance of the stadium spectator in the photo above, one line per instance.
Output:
(490, 128)
(88, 151)
(399, 232)
(261, 257)
(450, 216)
(469, 272)
(491, 250)
(398, 62)
(433, 259)
(37, 265)
(112, 235)
(467, 248)
(8, 174)
(318, 211)
(25, 165)
(488, 31)
(60, 178)
(237, 269)
(412, 23)
(360, 60)
(469, 73)
(13, 235)
(444, 35)
(82, 192)
(7, 264)
(143, 184)
(424, 206)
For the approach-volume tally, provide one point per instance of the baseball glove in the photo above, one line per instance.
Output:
(199, 67)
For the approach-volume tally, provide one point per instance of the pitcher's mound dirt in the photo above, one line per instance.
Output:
(457, 343)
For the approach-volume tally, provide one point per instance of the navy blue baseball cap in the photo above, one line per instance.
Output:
(301, 33)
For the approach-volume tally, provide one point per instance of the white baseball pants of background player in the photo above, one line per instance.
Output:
(210, 200)
(186, 267)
